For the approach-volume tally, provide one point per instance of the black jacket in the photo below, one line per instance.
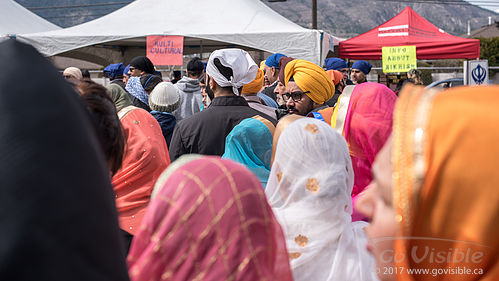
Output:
(205, 132)
(269, 91)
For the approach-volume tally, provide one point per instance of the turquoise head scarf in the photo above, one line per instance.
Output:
(250, 143)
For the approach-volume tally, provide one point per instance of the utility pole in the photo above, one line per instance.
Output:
(314, 14)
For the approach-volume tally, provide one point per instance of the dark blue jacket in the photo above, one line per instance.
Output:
(167, 123)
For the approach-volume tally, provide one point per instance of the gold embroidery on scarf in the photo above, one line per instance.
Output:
(244, 263)
(156, 236)
(398, 218)
(301, 240)
(293, 256)
(313, 185)
(312, 128)
(409, 139)
(213, 226)
(279, 177)
(242, 217)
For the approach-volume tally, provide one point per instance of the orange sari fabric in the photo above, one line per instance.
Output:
(210, 221)
(446, 183)
(146, 156)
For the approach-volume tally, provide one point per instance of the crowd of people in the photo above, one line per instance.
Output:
(285, 170)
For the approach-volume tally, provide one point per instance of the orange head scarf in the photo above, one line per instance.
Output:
(312, 78)
(335, 76)
(445, 182)
(254, 86)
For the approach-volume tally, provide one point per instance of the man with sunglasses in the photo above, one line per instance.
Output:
(140, 66)
(308, 87)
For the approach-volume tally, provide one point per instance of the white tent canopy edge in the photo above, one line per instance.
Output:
(15, 19)
(247, 23)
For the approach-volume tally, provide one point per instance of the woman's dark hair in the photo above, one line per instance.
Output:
(150, 81)
(106, 122)
(85, 73)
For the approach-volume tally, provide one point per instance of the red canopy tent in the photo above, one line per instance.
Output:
(409, 28)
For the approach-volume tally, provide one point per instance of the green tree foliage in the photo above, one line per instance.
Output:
(489, 50)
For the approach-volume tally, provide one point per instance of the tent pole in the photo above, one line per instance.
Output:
(201, 49)
(314, 14)
(465, 72)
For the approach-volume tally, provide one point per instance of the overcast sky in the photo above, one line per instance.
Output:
(487, 4)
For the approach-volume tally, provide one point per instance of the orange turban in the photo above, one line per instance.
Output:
(310, 77)
(335, 76)
(254, 86)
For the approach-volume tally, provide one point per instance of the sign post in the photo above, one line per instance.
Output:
(165, 50)
(476, 72)
(398, 58)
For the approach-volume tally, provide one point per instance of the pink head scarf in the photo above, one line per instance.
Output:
(210, 221)
(368, 124)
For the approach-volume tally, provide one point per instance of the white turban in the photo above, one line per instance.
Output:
(243, 67)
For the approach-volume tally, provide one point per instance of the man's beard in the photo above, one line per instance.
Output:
(307, 110)
(208, 89)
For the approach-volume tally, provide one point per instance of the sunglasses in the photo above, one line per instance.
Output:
(296, 96)
(67, 76)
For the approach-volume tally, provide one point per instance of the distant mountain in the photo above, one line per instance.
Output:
(353, 17)
(338, 17)
(77, 11)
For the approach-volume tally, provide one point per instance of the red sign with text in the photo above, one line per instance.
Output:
(165, 50)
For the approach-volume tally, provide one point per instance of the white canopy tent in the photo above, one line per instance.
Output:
(205, 25)
(15, 19)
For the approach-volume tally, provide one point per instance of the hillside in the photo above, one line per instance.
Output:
(353, 17)
(341, 18)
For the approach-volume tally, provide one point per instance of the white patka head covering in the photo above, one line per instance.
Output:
(243, 67)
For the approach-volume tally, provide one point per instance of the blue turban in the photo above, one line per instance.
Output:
(114, 70)
(125, 72)
(363, 66)
(335, 64)
(273, 60)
